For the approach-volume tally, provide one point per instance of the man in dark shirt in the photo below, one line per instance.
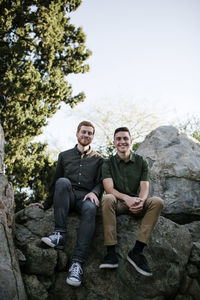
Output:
(76, 186)
(126, 182)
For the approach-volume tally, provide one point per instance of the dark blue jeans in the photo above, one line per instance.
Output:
(66, 200)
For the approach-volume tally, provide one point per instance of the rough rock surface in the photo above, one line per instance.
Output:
(45, 269)
(173, 251)
(1, 149)
(174, 161)
(11, 284)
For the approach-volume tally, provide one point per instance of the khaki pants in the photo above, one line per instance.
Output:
(112, 207)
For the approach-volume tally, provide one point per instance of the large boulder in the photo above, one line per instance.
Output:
(11, 284)
(194, 229)
(1, 149)
(174, 161)
(45, 269)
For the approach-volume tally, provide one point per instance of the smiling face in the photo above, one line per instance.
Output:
(122, 142)
(85, 135)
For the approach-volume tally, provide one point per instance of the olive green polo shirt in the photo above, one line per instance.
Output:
(126, 175)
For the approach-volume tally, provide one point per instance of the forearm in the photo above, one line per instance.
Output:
(116, 193)
(109, 188)
(144, 190)
(143, 195)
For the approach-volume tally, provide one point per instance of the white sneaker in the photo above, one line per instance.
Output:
(75, 274)
(55, 240)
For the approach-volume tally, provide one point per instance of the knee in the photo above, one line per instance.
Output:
(89, 208)
(158, 202)
(63, 184)
(108, 200)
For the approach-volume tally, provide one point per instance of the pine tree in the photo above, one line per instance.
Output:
(38, 49)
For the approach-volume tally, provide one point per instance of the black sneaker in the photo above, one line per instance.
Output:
(139, 262)
(110, 261)
(55, 240)
(75, 274)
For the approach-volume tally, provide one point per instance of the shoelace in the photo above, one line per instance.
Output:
(75, 270)
(57, 236)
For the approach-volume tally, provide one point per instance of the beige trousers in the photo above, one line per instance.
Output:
(112, 207)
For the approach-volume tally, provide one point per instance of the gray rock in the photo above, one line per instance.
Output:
(174, 161)
(35, 289)
(32, 225)
(194, 229)
(183, 297)
(185, 284)
(195, 254)
(194, 289)
(163, 254)
(1, 149)
(11, 284)
(39, 261)
(192, 271)
(173, 251)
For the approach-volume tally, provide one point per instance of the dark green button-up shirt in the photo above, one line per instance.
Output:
(126, 175)
(82, 169)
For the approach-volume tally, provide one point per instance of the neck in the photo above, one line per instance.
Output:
(83, 148)
(124, 155)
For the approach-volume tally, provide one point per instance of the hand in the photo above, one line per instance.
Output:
(131, 200)
(93, 198)
(36, 204)
(137, 206)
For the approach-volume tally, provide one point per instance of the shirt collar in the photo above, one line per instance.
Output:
(85, 152)
(131, 159)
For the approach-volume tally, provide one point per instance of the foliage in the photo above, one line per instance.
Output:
(36, 170)
(139, 119)
(191, 126)
(38, 49)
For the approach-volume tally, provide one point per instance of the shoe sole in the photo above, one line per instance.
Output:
(137, 268)
(47, 242)
(50, 244)
(108, 266)
(74, 283)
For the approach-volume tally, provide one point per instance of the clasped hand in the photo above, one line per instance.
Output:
(135, 204)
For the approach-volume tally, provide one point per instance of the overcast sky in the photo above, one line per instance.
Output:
(143, 51)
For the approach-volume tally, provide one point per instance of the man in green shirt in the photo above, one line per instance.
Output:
(126, 183)
(77, 187)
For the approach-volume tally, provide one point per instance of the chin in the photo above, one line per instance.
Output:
(122, 150)
(85, 144)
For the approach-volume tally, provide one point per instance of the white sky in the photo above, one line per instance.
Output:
(144, 51)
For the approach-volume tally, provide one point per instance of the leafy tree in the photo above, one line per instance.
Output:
(191, 125)
(139, 119)
(38, 49)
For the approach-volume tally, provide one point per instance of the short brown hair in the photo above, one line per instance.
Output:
(122, 129)
(85, 123)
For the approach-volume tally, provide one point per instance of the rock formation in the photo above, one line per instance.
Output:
(45, 269)
(173, 251)
(1, 149)
(11, 284)
(174, 161)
